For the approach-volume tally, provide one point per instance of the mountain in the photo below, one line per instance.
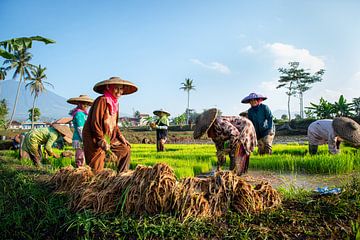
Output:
(51, 105)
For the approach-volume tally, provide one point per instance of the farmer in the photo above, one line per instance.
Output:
(79, 115)
(233, 135)
(161, 125)
(262, 118)
(101, 132)
(333, 132)
(46, 136)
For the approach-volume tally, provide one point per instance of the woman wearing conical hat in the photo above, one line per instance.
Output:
(101, 132)
(232, 135)
(332, 132)
(46, 137)
(261, 117)
(79, 115)
(161, 125)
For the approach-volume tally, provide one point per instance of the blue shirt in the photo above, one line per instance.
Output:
(262, 119)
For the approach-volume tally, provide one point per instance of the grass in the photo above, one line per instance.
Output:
(190, 160)
(29, 210)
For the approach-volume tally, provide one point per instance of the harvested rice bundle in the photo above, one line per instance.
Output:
(190, 200)
(58, 181)
(112, 196)
(150, 190)
(269, 196)
(245, 200)
(159, 193)
(83, 196)
(77, 177)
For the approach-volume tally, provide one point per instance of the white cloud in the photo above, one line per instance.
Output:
(356, 77)
(216, 66)
(285, 53)
(248, 49)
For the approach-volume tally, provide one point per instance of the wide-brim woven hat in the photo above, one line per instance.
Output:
(64, 131)
(204, 121)
(81, 99)
(160, 111)
(253, 96)
(347, 129)
(128, 87)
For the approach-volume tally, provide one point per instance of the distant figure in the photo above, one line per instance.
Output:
(79, 115)
(101, 132)
(232, 135)
(16, 141)
(45, 136)
(262, 118)
(161, 125)
(332, 132)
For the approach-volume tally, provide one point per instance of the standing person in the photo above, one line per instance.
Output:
(101, 132)
(262, 118)
(46, 136)
(332, 132)
(232, 135)
(161, 125)
(79, 115)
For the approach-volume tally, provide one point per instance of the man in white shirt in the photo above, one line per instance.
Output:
(333, 132)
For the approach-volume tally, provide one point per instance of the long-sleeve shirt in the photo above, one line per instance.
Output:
(41, 136)
(78, 122)
(322, 132)
(235, 130)
(262, 119)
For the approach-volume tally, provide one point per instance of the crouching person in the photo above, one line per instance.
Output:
(46, 137)
(332, 132)
(232, 135)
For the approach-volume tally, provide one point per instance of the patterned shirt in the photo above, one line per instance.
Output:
(235, 130)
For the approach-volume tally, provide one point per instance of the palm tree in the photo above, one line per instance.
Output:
(188, 86)
(15, 51)
(36, 85)
(21, 63)
(2, 75)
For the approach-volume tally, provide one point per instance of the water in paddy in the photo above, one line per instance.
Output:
(291, 180)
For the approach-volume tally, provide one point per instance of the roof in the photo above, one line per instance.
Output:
(64, 120)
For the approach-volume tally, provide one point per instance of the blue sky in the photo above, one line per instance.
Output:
(229, 48)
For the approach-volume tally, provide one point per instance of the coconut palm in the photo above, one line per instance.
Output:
(188, 86)
(37, 86)
(21, 64)
(15, 51)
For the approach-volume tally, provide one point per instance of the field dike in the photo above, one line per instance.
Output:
(154, 190)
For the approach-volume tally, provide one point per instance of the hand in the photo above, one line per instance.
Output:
(104, 145)
(55, 155)
(153, 125)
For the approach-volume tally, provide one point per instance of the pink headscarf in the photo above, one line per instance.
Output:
(74, 111)
(111, 100)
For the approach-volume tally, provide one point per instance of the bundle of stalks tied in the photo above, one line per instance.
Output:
(154, 190)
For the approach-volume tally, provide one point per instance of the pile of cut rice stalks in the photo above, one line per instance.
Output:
(153, 190)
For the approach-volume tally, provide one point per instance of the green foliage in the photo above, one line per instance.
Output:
(326, 110)
(297, 81)
(36, 114)
(29, 209)
(3, 112)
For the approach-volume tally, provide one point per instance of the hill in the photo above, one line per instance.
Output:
(51, 105)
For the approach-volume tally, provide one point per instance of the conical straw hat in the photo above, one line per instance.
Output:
(253, 96)
(204, 121)
(347, 129)
(80, 99)
(128, 86)
(64, 131)
(158, 112)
